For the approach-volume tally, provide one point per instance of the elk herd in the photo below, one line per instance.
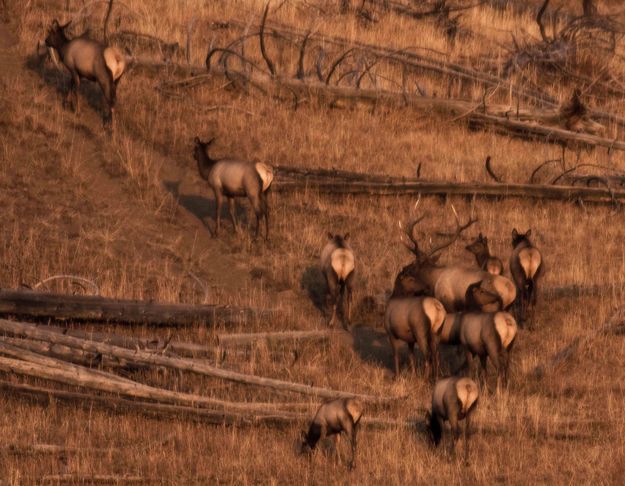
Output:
(431, 303)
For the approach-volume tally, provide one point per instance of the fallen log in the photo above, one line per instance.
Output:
(83, 377)
(50, 449)
(101, 309)
(146, 358)
(272, 337)
(414, 187)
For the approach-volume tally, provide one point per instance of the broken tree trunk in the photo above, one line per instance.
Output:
(414, 187)
(102, 309)
(273, 337)
(146, 358)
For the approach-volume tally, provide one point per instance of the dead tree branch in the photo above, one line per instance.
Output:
(490, 171)
(263, 48)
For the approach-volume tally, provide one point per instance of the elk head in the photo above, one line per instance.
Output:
(56, 34)
(479, 246)
(518, 238)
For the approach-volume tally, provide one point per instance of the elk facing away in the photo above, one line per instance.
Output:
(337, 265)
(87, 58)
(235, 178)
(483, 334)
(453, 399)
(450, 283)
(526, 266)
(486, 261)
(334, 417)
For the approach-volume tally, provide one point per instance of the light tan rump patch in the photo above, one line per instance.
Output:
(355, 408)
(467, 392)
(266, 174)
(342, 261)
(435, 311)
(505, 288)
(530, 259)
(506, 328)
(115, 61)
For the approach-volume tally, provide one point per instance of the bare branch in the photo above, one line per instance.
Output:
(336, 64)
(73, 278)
(490, 171)
(300, 61)
(106, 21)
(263, 49)
(539, 21)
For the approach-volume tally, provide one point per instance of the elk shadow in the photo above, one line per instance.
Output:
(203, 208)
(372, 346)
(60, 80)
(314, 283)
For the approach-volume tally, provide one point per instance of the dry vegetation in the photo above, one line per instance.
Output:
(126, 212)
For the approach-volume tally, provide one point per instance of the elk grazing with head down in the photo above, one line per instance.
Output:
(87, 58)
(450, 283)
(453, 399)
(337, 265)
(232, 178)
(526, 266)
(333, 418)
(486, 261)
(483, 334)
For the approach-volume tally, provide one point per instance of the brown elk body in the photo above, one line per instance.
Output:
(486, 261)
(453, 399)
(231, 178)
(334, 417)
(338, 267)
(450, 284)
(414, 320)
(87, 58)
(483, 334)
(526, 267)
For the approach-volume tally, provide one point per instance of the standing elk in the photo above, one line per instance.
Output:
(413, 320)
(486, 261)
(483, 334)
(337, 265)
(450, 283)
(453, 399)
(232, 178)
(333, 418)
(526, 266)
(87, 58)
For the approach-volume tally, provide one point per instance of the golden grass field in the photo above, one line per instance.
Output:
(130, 212)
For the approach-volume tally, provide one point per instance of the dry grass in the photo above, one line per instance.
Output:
(125, 212)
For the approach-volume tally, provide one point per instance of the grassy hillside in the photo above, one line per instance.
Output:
(130, 212)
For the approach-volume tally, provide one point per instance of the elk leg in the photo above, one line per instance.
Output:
(232, 210)
(265, 207)
(218, 203)
(395, 346)
(483, 373)
(455, 431)
(259, 214)
(333, 297)
(413, 360)
(467, 423)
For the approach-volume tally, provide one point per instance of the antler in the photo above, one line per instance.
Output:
(456, 234)
(413, 246)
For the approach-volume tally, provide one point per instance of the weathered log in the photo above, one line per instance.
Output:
(102, 309)
(50, 449)
(250, 338)
(83, 377)
(145, 358)
(414, 187)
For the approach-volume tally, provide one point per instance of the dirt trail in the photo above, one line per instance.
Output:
(184, 238)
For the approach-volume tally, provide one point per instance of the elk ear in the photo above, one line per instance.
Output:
(485, 240)
(346, 237)
(330, 236)
(435, 259)
(55, 24)
(515, 233)
(480, 236)
(528, 233)
(65, 26)
(197, 141)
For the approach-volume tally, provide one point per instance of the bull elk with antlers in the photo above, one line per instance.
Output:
(451, 283)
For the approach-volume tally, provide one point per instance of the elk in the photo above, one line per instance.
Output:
(450, 283)
(232, 178)
(486, 261)
(413, 320)
(88, 59)
(526, 266)
(453, 399)
(483, 334)
(337, 265)
(333, 418)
